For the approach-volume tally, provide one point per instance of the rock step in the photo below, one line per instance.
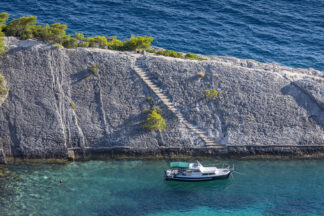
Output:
(166, 101)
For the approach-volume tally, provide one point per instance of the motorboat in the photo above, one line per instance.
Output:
(183, 171)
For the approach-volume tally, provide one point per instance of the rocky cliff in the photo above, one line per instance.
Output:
(57, 108)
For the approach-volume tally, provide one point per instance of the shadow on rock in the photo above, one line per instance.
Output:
(78, 77)
(314, 112)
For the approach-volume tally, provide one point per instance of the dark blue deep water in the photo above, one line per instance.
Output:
(288, 32)
(137, 188)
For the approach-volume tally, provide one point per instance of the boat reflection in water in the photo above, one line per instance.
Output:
(183, 171)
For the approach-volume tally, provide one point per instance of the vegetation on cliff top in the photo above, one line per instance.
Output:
(3, 90)
(26, 28)
(174, 54)
(3, 18)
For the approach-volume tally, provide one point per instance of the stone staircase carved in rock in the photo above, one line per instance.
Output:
(138, 68)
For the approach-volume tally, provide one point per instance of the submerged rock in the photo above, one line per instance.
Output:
(57, 108)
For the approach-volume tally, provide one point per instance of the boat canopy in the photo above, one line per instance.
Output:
(179, 165)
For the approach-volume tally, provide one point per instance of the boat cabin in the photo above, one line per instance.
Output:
(183, 171)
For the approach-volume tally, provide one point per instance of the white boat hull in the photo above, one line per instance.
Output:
(189, 178)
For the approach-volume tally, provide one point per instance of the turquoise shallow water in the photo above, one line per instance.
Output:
(137, 188)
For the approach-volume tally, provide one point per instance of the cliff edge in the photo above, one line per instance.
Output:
(57, 108)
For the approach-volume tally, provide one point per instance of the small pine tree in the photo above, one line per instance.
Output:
(154, 121)
(42, 32)
(3, 18)
(137, 43)
(115, 44)
(102, 41)
(57, 32)
(70, 42)
(21, 27)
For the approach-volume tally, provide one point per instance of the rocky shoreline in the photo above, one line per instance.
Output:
(231, 152)
(237, 152)
(57, 108)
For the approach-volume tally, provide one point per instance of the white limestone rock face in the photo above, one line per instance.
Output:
(258, 103)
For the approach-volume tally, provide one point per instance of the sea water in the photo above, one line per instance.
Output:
(259, 187)
(287, 32)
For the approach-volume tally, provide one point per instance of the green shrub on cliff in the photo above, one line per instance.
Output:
(69, 42)
(137, 43)
(151, 51)
(25, 28)
(170, 53)
(21, 27)
(174, 54)
(94, 69)
(53, 33)
(154, 121)
(57, 46)
(79, 36)
(115, 44)
(57, 32)
(3, 89)
(2, 45)
(201, 75)
(3, 19)
(194, 57)
(210, 94)
(42, 32)
(100, 41)
(84, 44)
